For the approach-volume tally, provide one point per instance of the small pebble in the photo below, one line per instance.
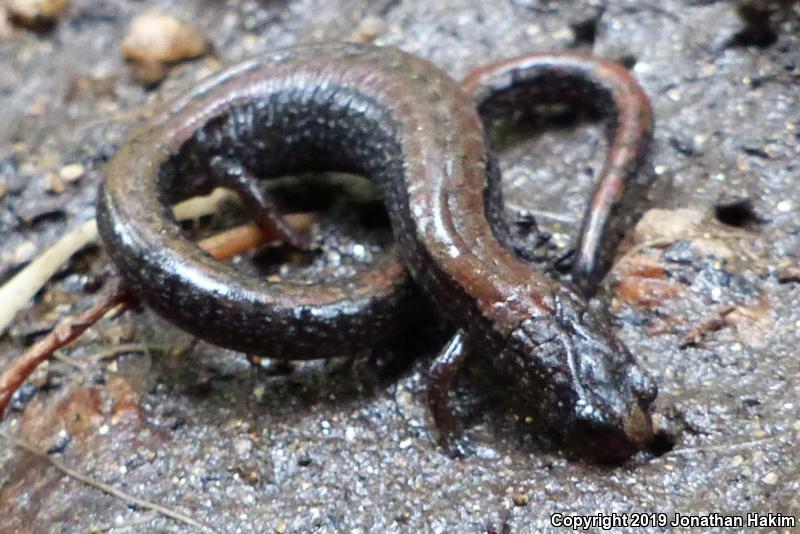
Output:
(367, 30)
(3, 188)
(243, 446)
(30, 13)
(359, 251)
(716, 294)
(486, 453)
(280, 528)
(91, 85)
(334, 257)
(661, 224)
(72, 172)
(405, 400)
(770, 478)
(560, 240)
(157, 39)
(520, 499)
(54, 183)
(784, 206)
(699, 140)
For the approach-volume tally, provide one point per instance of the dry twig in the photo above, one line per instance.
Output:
(67, 330)
(221, 246)
(717, 321)
(114, 492)
(17, 292)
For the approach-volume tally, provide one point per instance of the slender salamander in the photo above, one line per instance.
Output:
(408, 126)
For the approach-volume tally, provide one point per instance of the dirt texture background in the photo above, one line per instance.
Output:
(712, 311)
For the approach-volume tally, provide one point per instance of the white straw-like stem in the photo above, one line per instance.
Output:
(20, 289)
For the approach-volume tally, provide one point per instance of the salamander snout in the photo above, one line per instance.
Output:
(583, 380)
(618, 424)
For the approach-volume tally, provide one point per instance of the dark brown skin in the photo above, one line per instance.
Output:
(597, 393)
(582, 81)
(404, 123)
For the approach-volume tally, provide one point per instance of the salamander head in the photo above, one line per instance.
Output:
(583, 379)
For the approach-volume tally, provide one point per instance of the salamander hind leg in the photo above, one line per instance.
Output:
(441, 379)
(261, 207)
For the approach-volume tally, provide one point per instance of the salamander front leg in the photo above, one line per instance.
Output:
(441, 379)
(263, 210)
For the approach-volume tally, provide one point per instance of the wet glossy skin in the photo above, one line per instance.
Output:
(568, 357)
(408, 126)
(584, 82)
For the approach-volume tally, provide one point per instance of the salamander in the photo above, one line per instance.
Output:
(405, 124)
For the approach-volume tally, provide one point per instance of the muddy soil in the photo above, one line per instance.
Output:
(347, 445)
